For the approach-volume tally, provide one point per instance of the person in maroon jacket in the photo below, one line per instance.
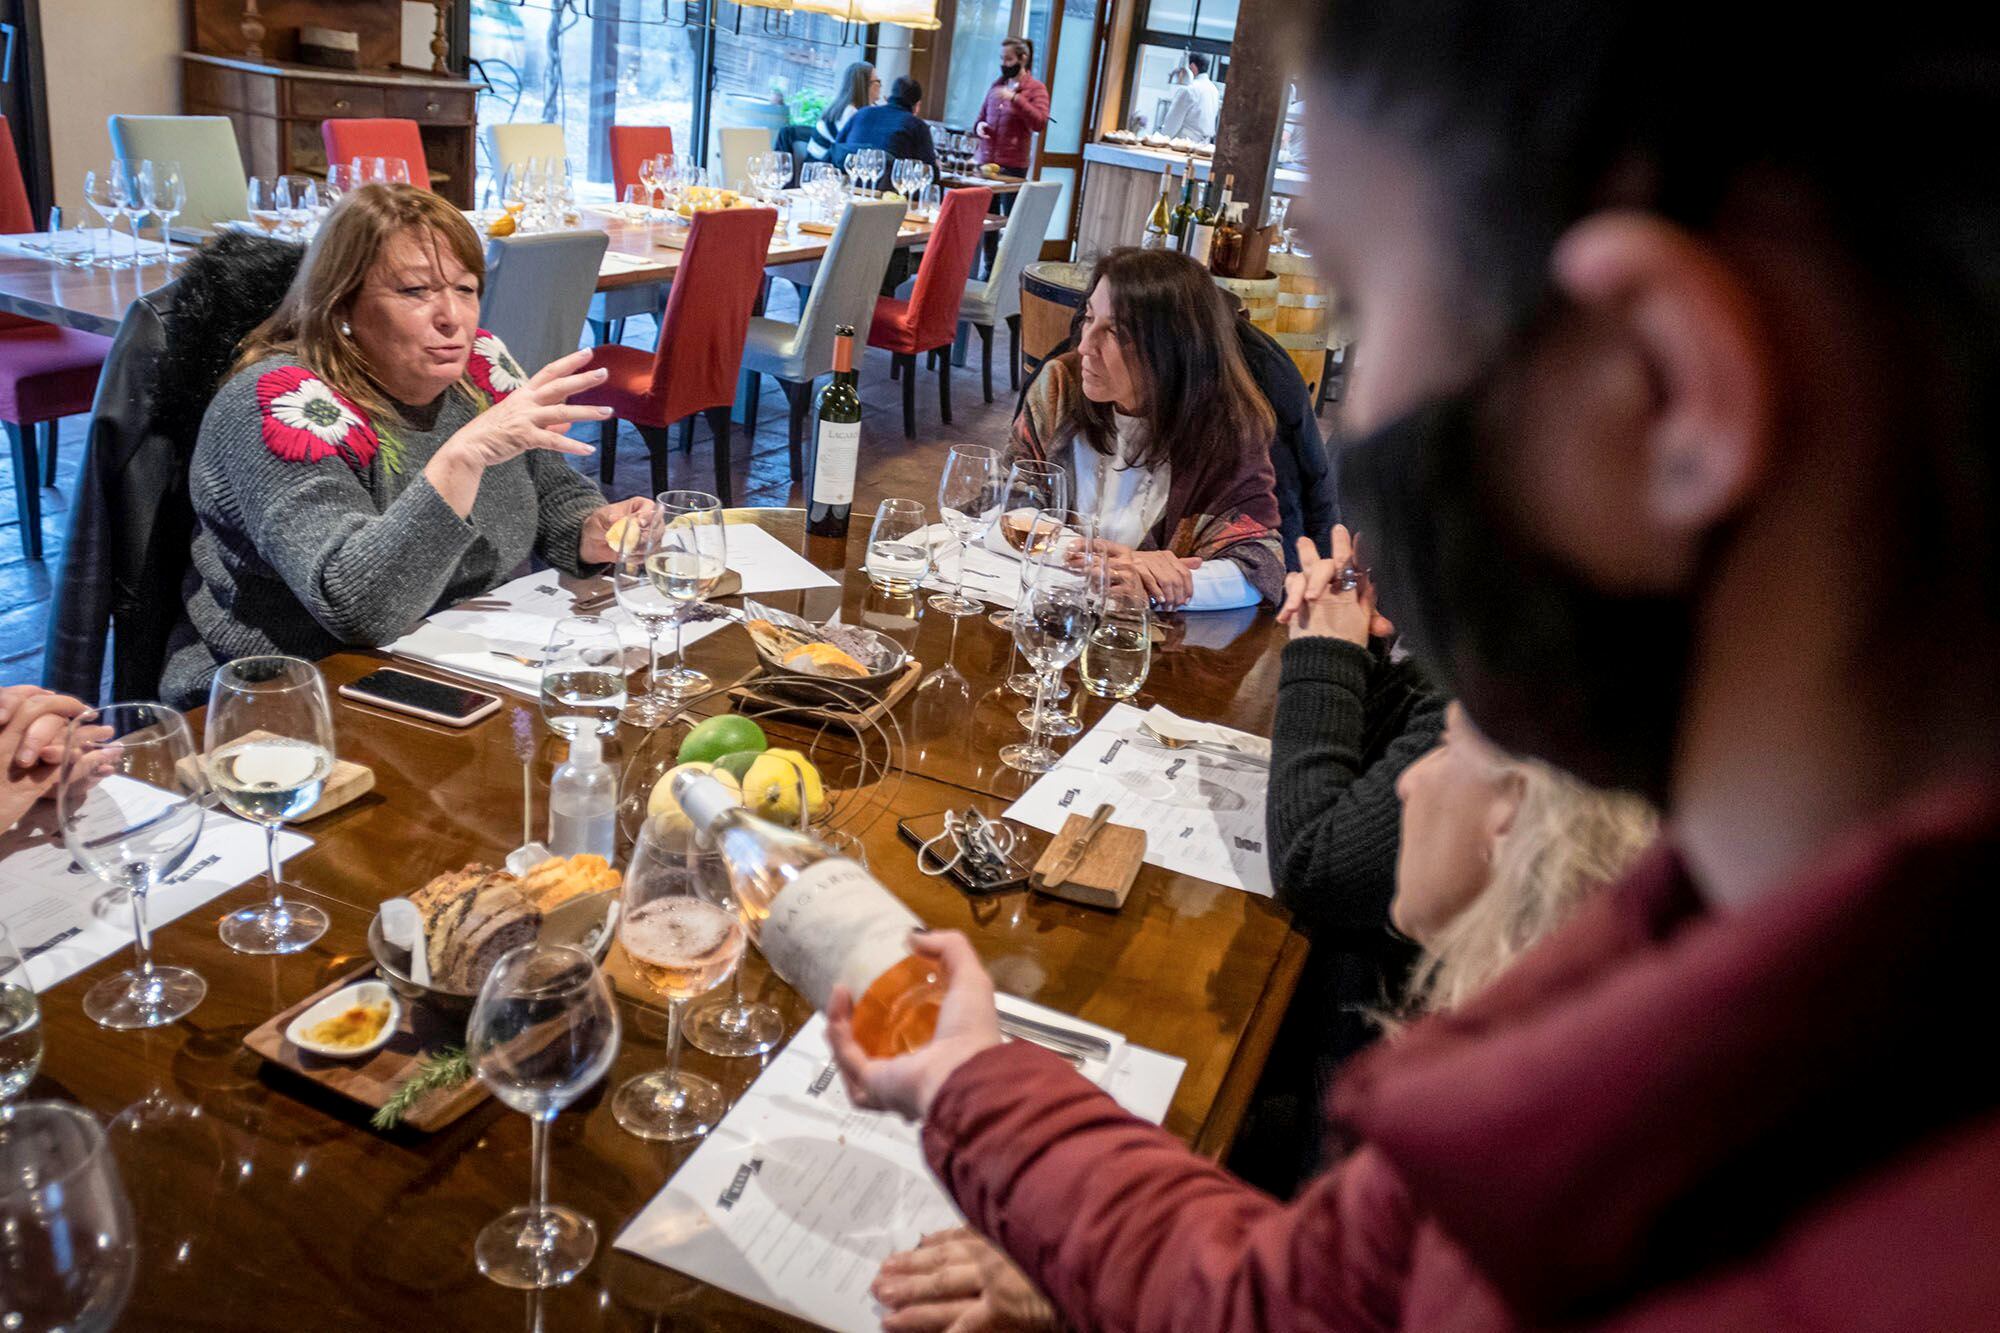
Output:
(1679, 466)
(1015, 111)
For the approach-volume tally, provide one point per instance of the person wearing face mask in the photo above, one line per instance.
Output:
(1015, 111)
(1165, 436)
(1668, 397)
(375, 455)
(1196, 104)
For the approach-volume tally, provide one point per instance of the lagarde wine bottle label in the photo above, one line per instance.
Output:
(835, 925)
(838, 454)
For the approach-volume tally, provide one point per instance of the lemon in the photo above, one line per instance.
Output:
(719, 736)
(771, 787)
(662, 801)
(614, 536)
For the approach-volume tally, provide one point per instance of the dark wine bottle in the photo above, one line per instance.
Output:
(837, 443)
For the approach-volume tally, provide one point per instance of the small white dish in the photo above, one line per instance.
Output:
(361, 992)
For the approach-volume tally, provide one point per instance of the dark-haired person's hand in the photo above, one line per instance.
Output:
(32, 735)
(957, 1281)
(967, 1024)
(1166, 579)
(595, 547)
(1329, 598)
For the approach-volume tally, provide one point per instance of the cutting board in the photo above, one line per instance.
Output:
(371, 1080)
(348, 782)
(1104, 877)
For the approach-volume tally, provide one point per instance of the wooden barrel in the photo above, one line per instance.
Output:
(1052, 291)
(1259, 297)
(1305, 315)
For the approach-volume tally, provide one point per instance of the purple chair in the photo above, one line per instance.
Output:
(46, 372)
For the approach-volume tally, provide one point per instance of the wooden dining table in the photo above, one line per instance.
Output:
(264, 1201)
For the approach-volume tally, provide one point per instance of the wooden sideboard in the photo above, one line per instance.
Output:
(277, 109)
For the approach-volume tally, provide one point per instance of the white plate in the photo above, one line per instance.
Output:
(361, 992)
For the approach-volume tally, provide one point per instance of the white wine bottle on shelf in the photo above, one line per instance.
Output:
(1161, 218)
(821, 920)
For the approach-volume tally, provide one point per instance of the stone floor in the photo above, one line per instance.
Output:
(890, 465)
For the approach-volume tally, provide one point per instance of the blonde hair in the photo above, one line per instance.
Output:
(308, 324)
(1566, 842)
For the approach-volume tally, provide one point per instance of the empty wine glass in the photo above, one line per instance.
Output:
(104, 192)
(878, 162)
(132, 200)
(969, 496)
(583, 676)
(269, 752)
(20, 1024)
(920, 178)
(632, 586)
(68, 1249)
(543, 1031)
(130, 800)
(682, 944)
(691, 559)
(1280, 206)
(1067, 539)
(514, 190)
(1050, 624)
(165, 191)
(396, 170)
(341, 178)
(1032, 486)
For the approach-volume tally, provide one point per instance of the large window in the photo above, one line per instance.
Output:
(1169, 30)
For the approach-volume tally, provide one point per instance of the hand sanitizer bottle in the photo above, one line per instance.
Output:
(583, 802)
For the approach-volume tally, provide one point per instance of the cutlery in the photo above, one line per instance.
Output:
(1075, 1060)
(522, 658)
(1201, 747)
(1072, 857)
(1085, 1044)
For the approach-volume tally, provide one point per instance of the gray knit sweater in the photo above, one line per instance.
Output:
(316, 530)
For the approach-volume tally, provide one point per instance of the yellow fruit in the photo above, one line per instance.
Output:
(771, 787)
(614, 536)
(662, 801)
(501, 226)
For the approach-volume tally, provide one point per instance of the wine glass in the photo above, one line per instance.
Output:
(778, 170)
(1119, 651)
(649, 179)
(103, 191)
(298, 200)
(856, 169)
(878, 163)
(341, 177)
(165, 192)
(542, 1032)
(1051, 622)
(583, 676)
(969, 497)
(266, 210)
(633, 588)
(1066, 539)
(269, 751)
(691, 559)
(1031, 487)
(733, 1027)
(396, 170)
(638, 203)
(130, 800)
(920, 177)
(131, 199)
(899, 559)
(514, 190)
(682, 945)
(753, 172)
(20, 1021)
(68, 1249)
(1280, 206)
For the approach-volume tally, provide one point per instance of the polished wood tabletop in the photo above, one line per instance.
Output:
(264, 1202)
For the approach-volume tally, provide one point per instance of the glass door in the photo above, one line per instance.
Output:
(1068, 61)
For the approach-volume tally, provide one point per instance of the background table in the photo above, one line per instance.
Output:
(264, 1203)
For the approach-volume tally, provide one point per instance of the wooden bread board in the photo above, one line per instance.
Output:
(372, 1079)
(752, 703)
(1104, 877)
(348, 782)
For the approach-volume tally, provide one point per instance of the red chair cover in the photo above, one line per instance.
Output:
(632, 145)
(346, 140)
(694, 368)
(930, 317)
(45, 372)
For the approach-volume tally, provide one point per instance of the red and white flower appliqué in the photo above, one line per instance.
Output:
(305, 421)
(493, 368)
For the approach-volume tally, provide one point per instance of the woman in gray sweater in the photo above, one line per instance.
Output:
(376, 455)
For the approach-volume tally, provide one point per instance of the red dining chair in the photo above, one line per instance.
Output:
(631, 145)
(47, 372)
(694, 367)
(929, 319)
(346, 140)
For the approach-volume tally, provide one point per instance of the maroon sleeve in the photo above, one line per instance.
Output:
(1125, 1228)
(1031, 104)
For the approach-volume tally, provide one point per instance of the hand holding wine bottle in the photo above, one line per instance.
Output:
(968, 1022)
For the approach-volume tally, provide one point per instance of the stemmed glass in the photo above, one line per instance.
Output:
(132, 201)
(68, 1249)
(969, 499)
(514, 192)
(856, 168)
(130, 800)
(104, 192)
(753, 173)
(341, 177)
(298, 200)
(269, 752)
(20, 1022)
(692, 557)
(920, 178)
(262, 200)
(632, 586)
(396, 170)
(734, 1027)
(583, 676)
(683, 944)
(878, 162)
(1051, 622)
(1031, 487)
(1119, 651)
(1065, 539)
(165, 192)
(650, 172)
(542, 1032)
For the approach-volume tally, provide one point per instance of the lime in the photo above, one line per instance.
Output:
(718, 736)
(736, 765)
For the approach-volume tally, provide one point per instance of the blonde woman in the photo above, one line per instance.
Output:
(375, 454)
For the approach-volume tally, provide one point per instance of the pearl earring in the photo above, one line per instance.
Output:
(346, 329)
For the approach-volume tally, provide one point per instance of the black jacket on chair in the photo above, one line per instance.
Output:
(130, 524)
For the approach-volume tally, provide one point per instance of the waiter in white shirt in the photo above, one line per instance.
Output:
(1197, 101)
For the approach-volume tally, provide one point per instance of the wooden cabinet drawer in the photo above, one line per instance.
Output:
(430, 106)
(334, 100)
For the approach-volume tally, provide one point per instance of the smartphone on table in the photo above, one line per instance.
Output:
(421, 696)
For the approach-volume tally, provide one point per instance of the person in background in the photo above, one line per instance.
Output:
(895, 127)
(33, 725)
(859, 87)
(375, 455)
(1667, 400)
(1494, 853)
(1015, 111)
(1165, 436)
(1196, 104)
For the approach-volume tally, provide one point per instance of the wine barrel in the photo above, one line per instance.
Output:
(1305, 315)
(1259, 297)
(1052, 291)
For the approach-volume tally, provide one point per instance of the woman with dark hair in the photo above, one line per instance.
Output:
(859, 86)
(1165, 434)
(1684, 357)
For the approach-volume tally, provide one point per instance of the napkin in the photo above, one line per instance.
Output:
(1175, 727)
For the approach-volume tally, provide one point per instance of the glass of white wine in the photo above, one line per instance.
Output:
(583, 676)
(268, 753)
(1119, 651)
(692, 557)
(1032, 486)
(638, 598)
(683, 943)
(899, 558)
(20, 1021)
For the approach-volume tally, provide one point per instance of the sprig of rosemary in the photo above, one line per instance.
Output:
(442, 1069)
